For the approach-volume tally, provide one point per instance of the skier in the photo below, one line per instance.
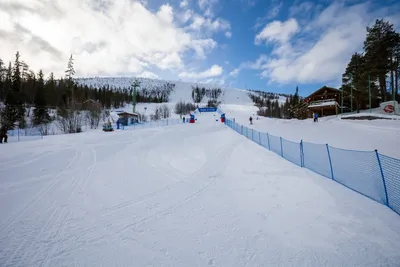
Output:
(316, 117)
(3, 134)
(251, 120)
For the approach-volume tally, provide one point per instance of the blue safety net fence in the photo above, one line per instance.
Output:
(369, 173)
(27, 134)
(152, 124)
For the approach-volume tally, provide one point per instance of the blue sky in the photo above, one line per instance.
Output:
(266, 45)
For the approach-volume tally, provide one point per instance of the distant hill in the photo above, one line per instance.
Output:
(183, 90)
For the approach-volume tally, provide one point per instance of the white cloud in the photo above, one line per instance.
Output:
(214, 71)
(228, 34)
(274, 9)
(185, 16)
(213, 81)
(204, 25)
(207, 6)
(148, 74)
(105, 37)
(201, 46)
(321, 50)
(184, 3)
(234, 73)
(300, 8)
(278, 31)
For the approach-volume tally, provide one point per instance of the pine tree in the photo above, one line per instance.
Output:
(355, 81)
(286, 109)
(41, 112)
(18, 95)
(295, 98)
(69, 76)
(70, 72)
(379, 45)
(14, 110)
(2, 80)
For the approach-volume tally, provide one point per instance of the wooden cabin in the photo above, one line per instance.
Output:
(127, 118)
(325, 101)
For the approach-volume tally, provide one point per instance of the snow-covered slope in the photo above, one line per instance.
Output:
(183, 90)
(187, 195)
(382, 134)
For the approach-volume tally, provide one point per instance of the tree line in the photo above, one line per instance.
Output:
(270, 106)
(213, 94)
(373, 74)
(155, 93)
(27, 97)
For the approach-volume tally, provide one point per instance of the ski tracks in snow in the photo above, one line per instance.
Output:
(17, 216)
(49, 223)
(32, 238)
(165, 200)
(66, 209)
(29, 204)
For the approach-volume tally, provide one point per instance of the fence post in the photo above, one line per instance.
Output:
(330, 161)
(241, 129)
(301, 153)
(252, 134)
(281, 147)
(383, 176)
(269, 146)
(259, 138)
(18, 133)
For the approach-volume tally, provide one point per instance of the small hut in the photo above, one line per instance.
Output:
(127, 118)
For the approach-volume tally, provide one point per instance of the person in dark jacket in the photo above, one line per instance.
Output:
(3, 134)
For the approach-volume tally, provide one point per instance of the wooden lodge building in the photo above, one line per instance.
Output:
(325, 101)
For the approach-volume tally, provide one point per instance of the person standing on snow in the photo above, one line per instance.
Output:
(251, 120)
(3, 134)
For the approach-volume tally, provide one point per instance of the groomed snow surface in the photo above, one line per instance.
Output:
(184, 195)
(361, 135)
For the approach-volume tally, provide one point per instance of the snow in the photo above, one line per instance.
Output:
(373, 115)
(375, 112)
(380, 134)
(324, 104)
(182, 91)
(184, 195)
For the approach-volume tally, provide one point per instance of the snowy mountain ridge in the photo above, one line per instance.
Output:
(182, 92)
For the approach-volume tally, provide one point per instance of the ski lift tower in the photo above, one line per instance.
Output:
(135, 84)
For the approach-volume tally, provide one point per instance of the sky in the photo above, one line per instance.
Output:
(253, 44)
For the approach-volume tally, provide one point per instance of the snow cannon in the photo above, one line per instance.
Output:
(107, 127)
(223, 117)
(192, 120)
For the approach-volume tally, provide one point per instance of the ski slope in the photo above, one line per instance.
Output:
(364, 135)
(186, 195)
(182, 90)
